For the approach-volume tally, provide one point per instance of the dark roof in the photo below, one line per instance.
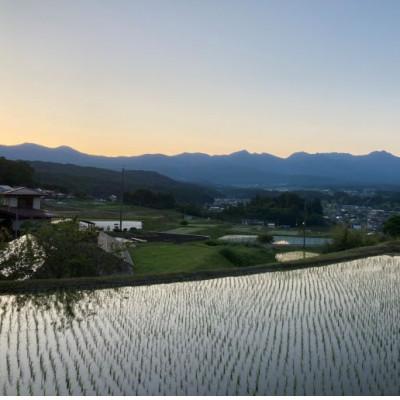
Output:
(24, 213)
(22, 191)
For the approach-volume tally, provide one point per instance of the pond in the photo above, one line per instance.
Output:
(330, 331)
(298, 240)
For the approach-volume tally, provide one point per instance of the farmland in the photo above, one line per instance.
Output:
(156, 257)
(163, 220)
(327, 330)
(89, 209)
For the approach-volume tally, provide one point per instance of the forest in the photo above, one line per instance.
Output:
(285, 209)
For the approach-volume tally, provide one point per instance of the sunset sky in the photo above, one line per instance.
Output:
(120, 77)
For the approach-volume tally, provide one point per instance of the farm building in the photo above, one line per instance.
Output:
(18, 205)
(110, 225)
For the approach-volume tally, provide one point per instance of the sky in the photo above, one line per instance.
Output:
(126, 77)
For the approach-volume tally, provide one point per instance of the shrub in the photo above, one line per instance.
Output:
(344, 238)
(237, 258)
(241, 257)
(265, 238)
(392, 226)
(212, 243)
(71, 252)
(5, 235)
(231, 256)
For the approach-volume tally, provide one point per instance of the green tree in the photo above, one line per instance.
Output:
(284, 209)
(344, 238)
(265, 238)
(149, 198)
(15, 172)
(71, 252)
(392, 226)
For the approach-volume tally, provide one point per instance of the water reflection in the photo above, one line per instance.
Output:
(68, 305)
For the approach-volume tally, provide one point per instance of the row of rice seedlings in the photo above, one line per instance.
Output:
(300, 332)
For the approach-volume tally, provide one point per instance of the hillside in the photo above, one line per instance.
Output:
(15, 173)
(240, 168)
(103, 182)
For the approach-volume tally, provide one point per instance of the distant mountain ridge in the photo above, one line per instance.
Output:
(240, 168)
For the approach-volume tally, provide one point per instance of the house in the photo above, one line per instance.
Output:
(18, 205)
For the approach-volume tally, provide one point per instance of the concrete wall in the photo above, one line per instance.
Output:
(115, 246)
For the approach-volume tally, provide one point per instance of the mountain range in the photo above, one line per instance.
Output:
(240, 168)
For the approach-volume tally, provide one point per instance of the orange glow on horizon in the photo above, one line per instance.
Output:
(131, 78)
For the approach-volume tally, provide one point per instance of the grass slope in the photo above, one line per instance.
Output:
(160, 258)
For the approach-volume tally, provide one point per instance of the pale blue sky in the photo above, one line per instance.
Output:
(128, 77)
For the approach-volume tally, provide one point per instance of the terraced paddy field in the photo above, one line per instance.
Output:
(327, 330)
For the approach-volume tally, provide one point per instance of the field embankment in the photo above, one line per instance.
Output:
(38, 285)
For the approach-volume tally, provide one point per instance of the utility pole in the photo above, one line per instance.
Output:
(16, 223)
(121, 196)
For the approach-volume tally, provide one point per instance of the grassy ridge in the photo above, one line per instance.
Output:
(9, 287)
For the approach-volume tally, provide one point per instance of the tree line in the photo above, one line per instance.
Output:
(151, 199)
(15, 173)
(285, 209)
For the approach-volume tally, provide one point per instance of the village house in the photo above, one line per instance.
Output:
(18, 205)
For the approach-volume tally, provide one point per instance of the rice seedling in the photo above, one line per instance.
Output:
(328, 330)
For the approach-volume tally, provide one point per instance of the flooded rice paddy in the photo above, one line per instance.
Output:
(294, 255)
(299, 241)
(327, 330)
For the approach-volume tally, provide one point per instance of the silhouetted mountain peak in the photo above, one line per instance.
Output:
(299, 154)
(381, 154)
(28, 145)
(240, 153)
(67, 149)
(238, 168)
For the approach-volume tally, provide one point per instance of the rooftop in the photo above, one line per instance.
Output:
(22, 191)
(5, 188)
